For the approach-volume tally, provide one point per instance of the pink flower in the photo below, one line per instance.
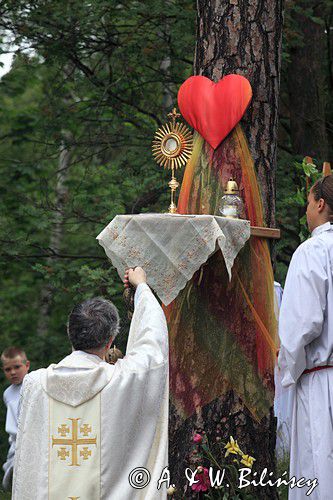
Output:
(202, 476)
(197, 438)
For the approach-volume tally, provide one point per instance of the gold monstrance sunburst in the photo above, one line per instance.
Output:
(172, 147)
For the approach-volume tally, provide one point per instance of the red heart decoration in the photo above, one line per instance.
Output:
(213, 109)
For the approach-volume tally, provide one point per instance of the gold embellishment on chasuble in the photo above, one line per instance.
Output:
(63, 453)
(74, 498)
(63, 430)
(85, 453)
(74, 442)
(85, 429)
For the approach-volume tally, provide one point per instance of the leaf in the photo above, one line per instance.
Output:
(299, 198)
(309, 169)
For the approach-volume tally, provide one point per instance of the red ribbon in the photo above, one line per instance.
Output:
(316, 369)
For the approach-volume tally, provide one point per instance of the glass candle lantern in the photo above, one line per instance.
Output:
(231, 204)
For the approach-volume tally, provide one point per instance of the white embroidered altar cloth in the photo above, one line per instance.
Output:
(171, 247)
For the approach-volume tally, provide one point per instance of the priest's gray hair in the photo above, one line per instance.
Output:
(92, 323)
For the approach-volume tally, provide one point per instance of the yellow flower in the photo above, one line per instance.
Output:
(247, 460)
(171, 490)
(232, 447)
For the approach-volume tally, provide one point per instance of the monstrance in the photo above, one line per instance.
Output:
(172, 147)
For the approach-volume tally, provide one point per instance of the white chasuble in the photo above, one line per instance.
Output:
(85, 425)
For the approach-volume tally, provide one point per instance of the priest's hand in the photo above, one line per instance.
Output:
(134, 277)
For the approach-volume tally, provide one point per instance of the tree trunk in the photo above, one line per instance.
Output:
(244, 38)
(167, 95)
(56, 234)
(307, 84)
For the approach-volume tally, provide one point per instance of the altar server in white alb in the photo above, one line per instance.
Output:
(91, 430)
(15, 366)
(306, 354)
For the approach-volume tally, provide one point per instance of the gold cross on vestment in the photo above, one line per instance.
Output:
(74, 442)
(62, 453)
(85, 453)
(63, 430)
(85, 429)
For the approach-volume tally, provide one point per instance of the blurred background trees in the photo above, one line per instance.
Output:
(89, 84)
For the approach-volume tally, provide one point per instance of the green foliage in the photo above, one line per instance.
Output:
(318, 12)
(295, 176)
(4, 495)
(93, 77)
(96, 78)
(283, 466)
(308, 174)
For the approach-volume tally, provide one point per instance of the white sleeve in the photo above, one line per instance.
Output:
(138, 292)
(147, 345)
(302, 309)
(4, 397)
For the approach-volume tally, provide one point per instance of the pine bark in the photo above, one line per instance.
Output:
(242, 37)
(307, 83)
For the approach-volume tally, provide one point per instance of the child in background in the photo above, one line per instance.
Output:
(15, 366)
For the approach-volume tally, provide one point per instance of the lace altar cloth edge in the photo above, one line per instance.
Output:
(171, 247)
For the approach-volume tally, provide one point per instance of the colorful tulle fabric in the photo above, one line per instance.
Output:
(223, 334)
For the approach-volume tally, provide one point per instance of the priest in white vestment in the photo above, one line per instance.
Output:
(306, 353)
(89, 430)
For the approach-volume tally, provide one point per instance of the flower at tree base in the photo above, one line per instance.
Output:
(171, 490)
(197, 438)
(202, 476)
(232, 447)
(247, 460)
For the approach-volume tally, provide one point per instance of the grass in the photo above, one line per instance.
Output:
(283, 465)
